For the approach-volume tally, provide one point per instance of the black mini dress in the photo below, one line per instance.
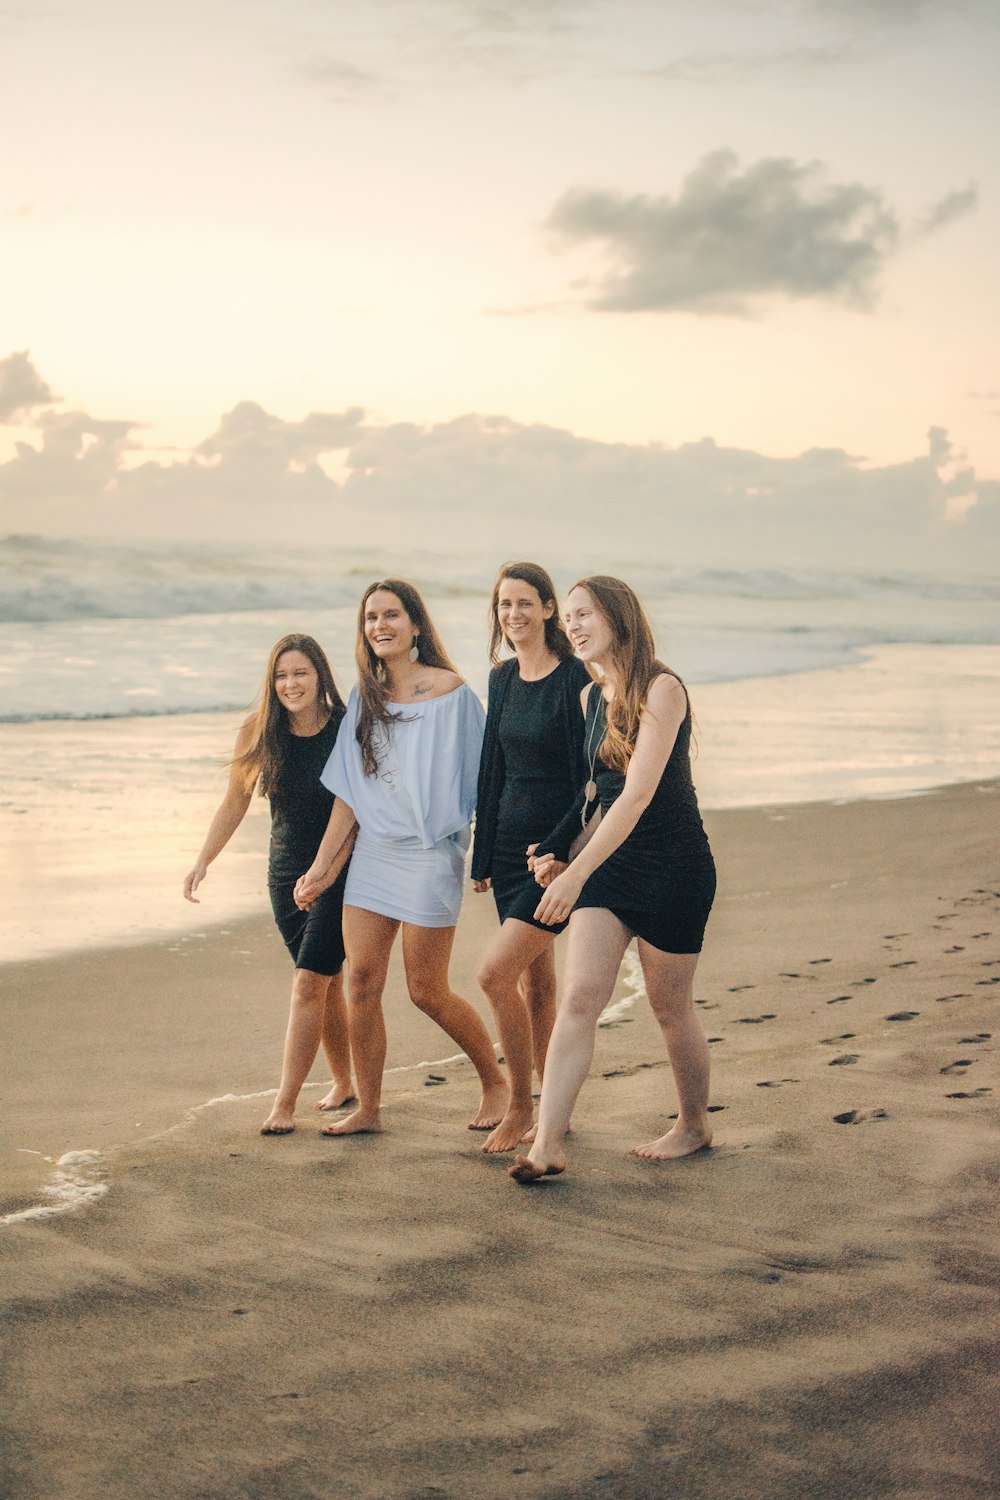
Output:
(531, 774)
(660, 881)
(300, 811)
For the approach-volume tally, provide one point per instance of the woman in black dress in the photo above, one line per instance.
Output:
(282, 747)
(529, 775)
(642, 868)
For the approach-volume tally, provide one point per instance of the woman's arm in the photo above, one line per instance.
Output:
(228, 817)
(662, 716)
(331, 856)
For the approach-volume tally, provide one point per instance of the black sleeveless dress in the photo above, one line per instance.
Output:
(538, 739)
(300, 811)
(660, 882)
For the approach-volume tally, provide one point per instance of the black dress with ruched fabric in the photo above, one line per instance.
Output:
(660, 881)
(532, 767)
(300, 811)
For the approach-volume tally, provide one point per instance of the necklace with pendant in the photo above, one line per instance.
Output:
(590, 790)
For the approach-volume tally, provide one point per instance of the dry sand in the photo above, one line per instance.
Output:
(808, 1310)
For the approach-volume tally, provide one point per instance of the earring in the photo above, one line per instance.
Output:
(414, 651)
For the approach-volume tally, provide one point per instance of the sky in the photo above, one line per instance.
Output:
(721, 274)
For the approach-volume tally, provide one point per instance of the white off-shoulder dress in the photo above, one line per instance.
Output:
(414, 813)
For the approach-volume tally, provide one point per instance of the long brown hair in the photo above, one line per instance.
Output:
(262, 762)
(373, 689)
(633, 656)
(556, 638)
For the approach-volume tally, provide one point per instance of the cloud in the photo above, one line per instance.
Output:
(488, 481)
(778, 227)
(724, 67)
(952, 206)
(21, 386)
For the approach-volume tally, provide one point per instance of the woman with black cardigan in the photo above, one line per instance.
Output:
(529, 774)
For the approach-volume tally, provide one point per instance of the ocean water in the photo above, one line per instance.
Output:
(93, 630)
(124, 670)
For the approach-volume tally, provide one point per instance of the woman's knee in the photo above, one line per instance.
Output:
(309, 988)
(366, 984)
(583, 1001)
(671, 1003)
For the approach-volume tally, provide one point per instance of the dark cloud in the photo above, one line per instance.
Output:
(21, 386)
(777, 227)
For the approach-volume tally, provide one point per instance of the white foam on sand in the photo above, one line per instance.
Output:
(79, 1178)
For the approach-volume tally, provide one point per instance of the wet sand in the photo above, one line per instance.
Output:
(808, 1309)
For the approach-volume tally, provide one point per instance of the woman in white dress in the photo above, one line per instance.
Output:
(403, 773)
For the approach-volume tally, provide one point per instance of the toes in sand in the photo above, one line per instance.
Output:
(527, 1171)
(492, 1107)
(339, 1096)
(361, 1122)
(510, 1132)
(674, 1145)
(278, 1122)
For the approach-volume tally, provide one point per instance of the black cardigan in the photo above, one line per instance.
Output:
(491, 766)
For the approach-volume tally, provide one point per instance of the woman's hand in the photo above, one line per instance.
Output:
(192, 881)
(545, 867)
(560, 897)
(479, 886)
(310, 886)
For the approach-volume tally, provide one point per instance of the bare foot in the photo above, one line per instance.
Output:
(510, 1132)
(361, 1122)
(527, 1171)
(492, 1107)
(675, 1144)
(281, 1121)
(339, 1095)
(529, 1135)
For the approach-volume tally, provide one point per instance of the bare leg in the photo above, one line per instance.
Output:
(669, 981)
(337, 1046)
(426, 952)
(305, 1024)
(516, 946)
(597, 941)
(368, 938)
(538, 986)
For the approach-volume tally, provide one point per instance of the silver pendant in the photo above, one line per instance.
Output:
(590, 790)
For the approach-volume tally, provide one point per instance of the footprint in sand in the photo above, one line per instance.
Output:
(713, 1109)
(756, 1020)
(955, 948)
(775, 1083)
(903, 1015)
(844, 1061)
(790, 974)
(860, 1116)
(433, 1079)
(821, 960)
(976, 1094)
(990, 963)
(980, 1036)
(891, 936)
(712, 1039)
(838, 999)
(856, 982)
(734, 989)
(962, 995)
(980, 935)
(904, 963)
(831, 1041)
(958, 1066)
(993, 979)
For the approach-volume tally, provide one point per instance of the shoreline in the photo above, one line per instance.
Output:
(810, 1304)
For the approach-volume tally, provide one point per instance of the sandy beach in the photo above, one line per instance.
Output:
(808, 1309)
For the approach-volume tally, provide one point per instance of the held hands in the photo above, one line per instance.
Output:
(192, 881)
(544, 867)
(309, 887)
(560, 896)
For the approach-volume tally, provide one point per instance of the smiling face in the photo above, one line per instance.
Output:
(296, 683)
(588, 627)
(389, 630)
(521, 613)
